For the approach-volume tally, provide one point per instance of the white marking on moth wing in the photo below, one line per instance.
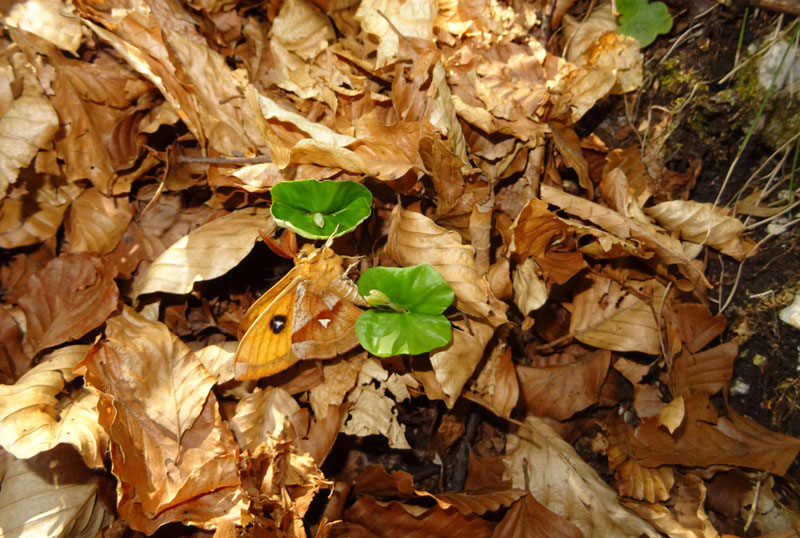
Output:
(324, 322)
(301, 315)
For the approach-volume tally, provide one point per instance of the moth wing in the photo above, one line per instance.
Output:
(324, 324)
(265, 348)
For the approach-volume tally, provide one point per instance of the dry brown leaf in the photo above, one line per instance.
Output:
(137, 37)
(538, 460)
(580, 35)
(27, 126)
(611, 65)
(708, 371)
(52, 494)
(340, 378)
(539, 234)
(208, 252)
(20, 226)
(265, 413)
(218, 360)
(226, 118)
(528, 518)
(671, 416)
(372, 411)
(299, 34)
(396, 520)
(666, 248)
(391, 19)
(560, 391)
(530, 291)
(608, 316)
(416, 239)
(454, 364)
(170, 449)
(69, 297)
(97, 222)
(497, 385)
(705, 224)
(703, 441)
(476, 502)
(33, 418)
(13, 361)
(49, 19)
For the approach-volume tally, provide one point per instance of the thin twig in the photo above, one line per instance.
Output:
(791, 7)
(224, 160)
(547, 20)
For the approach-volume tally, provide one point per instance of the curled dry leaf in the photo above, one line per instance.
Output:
(608, 316)
(538, 460)
(218, 360)
(69, 297)
(416, 239)
(454, 364)
(52, 494)
(97, 222)
(26, 127)
(667, 249)
(174, 457)
(540, 235)
(530, 291)
(20, 228)
(497, 385)
(207, 252)
(390, 19)
(33, 418)
(704, 223)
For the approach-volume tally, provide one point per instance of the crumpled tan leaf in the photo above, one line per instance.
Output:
(704, 223)
(264, 413)
(372, 412)
(207, 252)
(33, 420)
(52, 494)
(174, 457)
(408, 19)
(538, 460)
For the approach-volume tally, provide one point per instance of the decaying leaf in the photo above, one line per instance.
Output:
(371, 412)
(454, 364)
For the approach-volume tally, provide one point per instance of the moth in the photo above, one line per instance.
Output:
(307, 314)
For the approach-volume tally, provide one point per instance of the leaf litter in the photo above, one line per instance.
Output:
(584, 392)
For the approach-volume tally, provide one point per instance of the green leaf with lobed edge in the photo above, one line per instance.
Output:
(316, 209)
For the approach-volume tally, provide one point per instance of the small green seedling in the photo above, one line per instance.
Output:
(642, 20)
(320, 209)
(407, 315)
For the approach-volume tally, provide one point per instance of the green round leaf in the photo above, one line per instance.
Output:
(313, 209)
(389, 333)
(642, 20)
(420, 289)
